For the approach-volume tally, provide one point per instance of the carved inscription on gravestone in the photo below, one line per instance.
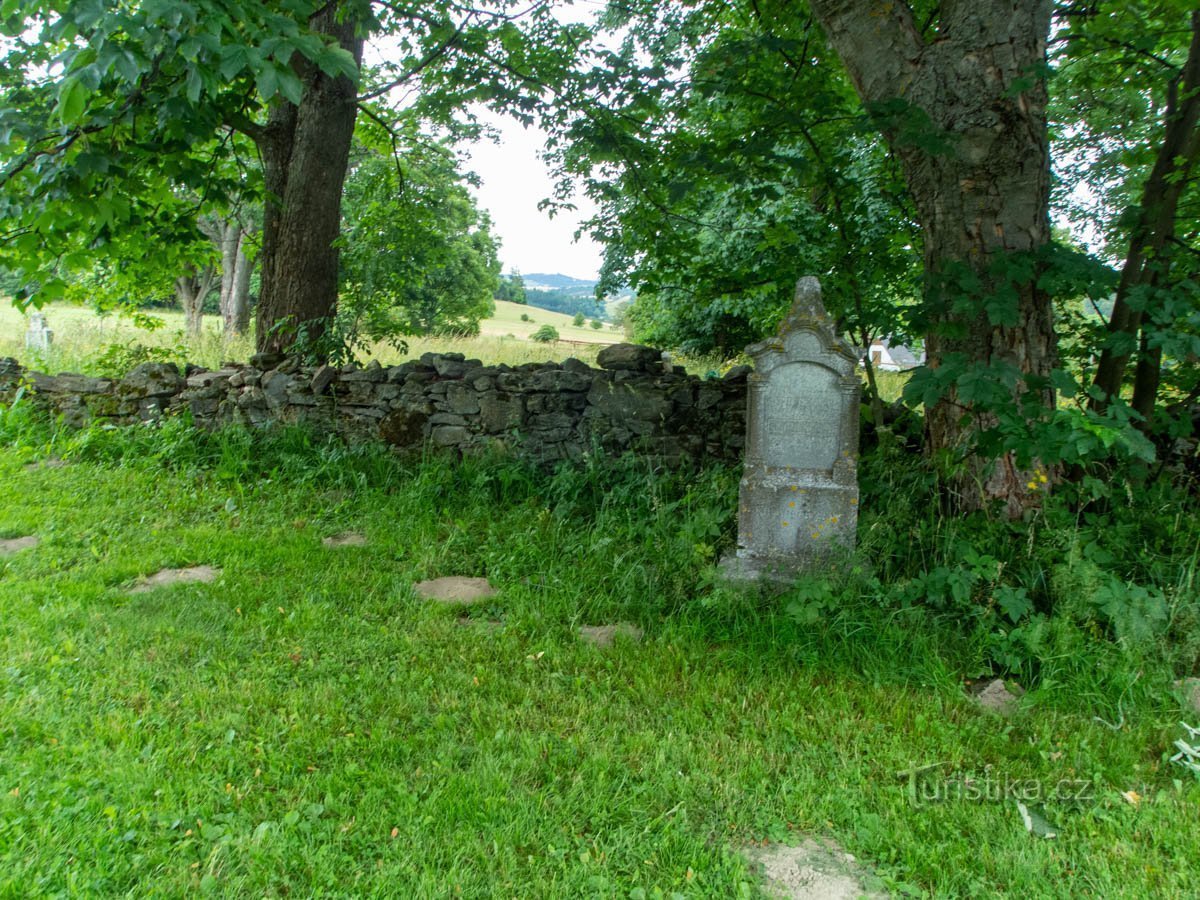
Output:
(798, 500)
(802, 399)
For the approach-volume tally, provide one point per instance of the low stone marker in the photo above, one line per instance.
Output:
(605, 635)
(1189, 689)
(39, 337)
(346, 539)
(454, 591)
(995, 696)
(167, 577)
(10, 546)
(815, 870)
(798, 501)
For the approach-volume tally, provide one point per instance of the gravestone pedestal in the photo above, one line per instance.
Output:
(798, 500)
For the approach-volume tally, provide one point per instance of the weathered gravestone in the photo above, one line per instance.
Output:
(798, 501)
(39, 337)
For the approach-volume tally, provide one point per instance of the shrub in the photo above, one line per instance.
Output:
(545, 334)
(578, 320)
(597, 324)
(525, 317)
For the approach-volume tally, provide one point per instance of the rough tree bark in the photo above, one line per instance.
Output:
(305, 151)
(968, 126)
(1147, 261)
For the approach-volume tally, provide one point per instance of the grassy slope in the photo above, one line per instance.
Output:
(80, 335)
(507, 320)
(305, 724)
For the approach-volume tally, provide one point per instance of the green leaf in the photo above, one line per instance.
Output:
(194, 84)
(72, 101)
(234, 60)
(1014, 602)
(290, 86)
(335, 61)
(1036, 823)
(268, 82)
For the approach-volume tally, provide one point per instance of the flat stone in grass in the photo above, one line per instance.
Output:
(454, 591)
(9, 546)
(167, 577)
(52, 463)
(346, 539)
(814, 870)
(1190, 689)
(604, 635)
(995, 696)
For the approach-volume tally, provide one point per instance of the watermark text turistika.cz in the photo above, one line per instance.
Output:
(931, 784)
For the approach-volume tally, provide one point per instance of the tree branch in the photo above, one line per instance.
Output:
(879, 45)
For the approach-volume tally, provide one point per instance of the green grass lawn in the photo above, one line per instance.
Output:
(305, 725)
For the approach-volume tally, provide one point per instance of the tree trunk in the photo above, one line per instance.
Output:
(235, 279)
(305, 150)
(965, 115)
(1148, 258)
(229, 236)
(239, 297)
(185, 290)
(191, 289)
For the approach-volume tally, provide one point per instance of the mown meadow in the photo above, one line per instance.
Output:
(305, 724)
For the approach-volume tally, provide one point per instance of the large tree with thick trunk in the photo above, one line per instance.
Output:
(113, 115)
(305, 149)
(962, 105)
(113, 157)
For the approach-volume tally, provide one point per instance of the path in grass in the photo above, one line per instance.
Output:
(306, 722)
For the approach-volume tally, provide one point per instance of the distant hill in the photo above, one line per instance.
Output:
(543, 282)
(564, 294)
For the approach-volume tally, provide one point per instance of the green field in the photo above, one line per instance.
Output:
(81, 338)
(507, 320)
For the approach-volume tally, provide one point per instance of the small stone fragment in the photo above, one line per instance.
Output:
(322, 378)
(266, 360)
(454, 591)
(1190, 688)
(52, 463)
(605, 635)
(9, 546)
(167, 577)
(346, 539)
(996, 696)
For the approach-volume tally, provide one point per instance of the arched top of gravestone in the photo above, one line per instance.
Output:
(807, 334)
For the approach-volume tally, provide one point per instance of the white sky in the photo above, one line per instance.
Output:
(514, 180)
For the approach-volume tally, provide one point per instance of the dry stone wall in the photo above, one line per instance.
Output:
(544, 411)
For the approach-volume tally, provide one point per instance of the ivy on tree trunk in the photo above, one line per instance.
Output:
(965, 114)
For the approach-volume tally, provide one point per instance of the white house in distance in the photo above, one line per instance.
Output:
(888, 357)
